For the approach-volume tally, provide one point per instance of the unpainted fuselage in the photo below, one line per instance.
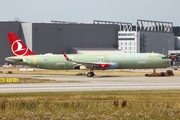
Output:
(117, 61)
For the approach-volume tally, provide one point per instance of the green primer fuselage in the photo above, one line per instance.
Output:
(117, 61)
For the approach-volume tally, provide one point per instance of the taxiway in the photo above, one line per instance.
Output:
(92, 84)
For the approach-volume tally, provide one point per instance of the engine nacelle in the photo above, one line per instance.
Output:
(81, 67)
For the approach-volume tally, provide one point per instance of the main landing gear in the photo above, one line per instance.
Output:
(90, 74)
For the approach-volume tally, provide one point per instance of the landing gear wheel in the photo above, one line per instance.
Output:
(90, 74)
(162, 74)
(146, 74)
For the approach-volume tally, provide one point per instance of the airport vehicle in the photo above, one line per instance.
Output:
(161, 74)
(84, 61)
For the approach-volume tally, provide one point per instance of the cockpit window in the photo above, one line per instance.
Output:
(165, 58)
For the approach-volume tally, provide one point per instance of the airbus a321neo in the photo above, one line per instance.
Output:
(24, 56)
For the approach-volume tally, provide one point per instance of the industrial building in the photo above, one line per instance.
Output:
(72, 37)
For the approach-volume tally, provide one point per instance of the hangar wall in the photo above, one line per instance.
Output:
(44, 38)
(159, 42)
(55, 38)
(177, 43)
(27, 31)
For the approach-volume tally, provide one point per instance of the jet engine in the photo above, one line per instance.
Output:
(81, 67)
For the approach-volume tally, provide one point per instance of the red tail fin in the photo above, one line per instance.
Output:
(17, 46)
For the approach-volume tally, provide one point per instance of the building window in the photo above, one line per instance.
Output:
(132, 43)
(126, 38)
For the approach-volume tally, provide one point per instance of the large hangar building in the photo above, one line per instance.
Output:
(58, 36)
(147, 36)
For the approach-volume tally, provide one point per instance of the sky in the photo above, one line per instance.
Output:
(85, 11)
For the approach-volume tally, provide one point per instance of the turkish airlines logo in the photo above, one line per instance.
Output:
(18, 48)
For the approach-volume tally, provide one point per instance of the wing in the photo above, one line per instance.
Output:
(88, 64)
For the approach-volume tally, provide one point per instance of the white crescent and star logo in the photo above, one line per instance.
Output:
(18, 49)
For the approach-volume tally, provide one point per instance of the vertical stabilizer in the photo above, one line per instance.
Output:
(18, 48)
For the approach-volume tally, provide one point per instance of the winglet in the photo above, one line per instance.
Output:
(66, 57)
(18, 48)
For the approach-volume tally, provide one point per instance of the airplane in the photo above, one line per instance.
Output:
(24, 56)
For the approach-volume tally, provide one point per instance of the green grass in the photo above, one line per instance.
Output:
(96, 105)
